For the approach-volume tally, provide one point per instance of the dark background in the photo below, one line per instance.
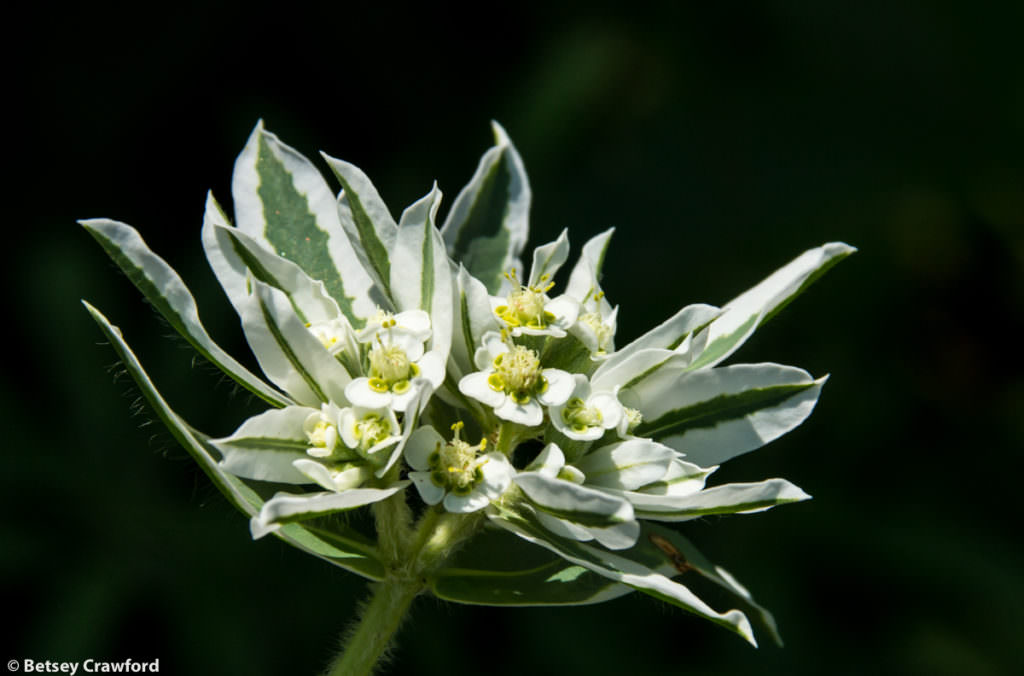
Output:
(721, 140)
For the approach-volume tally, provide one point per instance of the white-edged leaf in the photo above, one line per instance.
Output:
(716, 414)
(496, 568)
(366, 220)
(282, 199)
(487, 226)
(341, 546)
(548, 259)
(473, 318)
(291, 356)
(288, 508)
(743, 314)
(669, 335)
(584, 281)
(671, 554)
(627, 464)
(421, 277)
(740, 498)
(617, 567)
(165, 290)
(264, 446)
(572, 502)
(308, 296)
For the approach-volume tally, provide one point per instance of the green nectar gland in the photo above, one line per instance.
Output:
(580, 417)
(525, 304)
(453, 465)
(370, 430)
(517, 373)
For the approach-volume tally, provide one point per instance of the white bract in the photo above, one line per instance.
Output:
(373, 334)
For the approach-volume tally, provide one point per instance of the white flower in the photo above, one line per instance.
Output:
(396, 361)
(513, 383)
(454, 472)
(527, 310)
(586, 415)
(369, 430)
(321, 428)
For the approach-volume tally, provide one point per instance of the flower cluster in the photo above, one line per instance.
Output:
(407, 364)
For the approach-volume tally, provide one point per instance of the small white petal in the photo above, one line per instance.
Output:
(497, 473)
(475, 385)
(359, 393)
(428, 490)
(610, 408)
(432, 368)
(565, 309)
(549, 462)
(423, 442)
(464, 504)
(560, 387)
(529, 414)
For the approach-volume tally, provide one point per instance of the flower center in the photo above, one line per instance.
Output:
(371, 430)
(453, 465)
(600, 329)
(579, 416)
(390, 368)
(633, 418)
(322, 435)
(525, 308)
(517, 373)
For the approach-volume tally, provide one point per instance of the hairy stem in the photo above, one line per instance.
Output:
(381, 618)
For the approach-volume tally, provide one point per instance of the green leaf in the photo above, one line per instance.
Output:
(291, 356)
(745, 313)
(366, 220)
(668, 552)
(620, 567)
(342, 548)
(264, 446)
(421, 276)
(716, 414)
(572, 502)
(626, 464)
(487, 227)
(548, 259)
(165, 290)
(286, 508)
(473, 318)
(739, 498)
(281, 198)
(498, 569)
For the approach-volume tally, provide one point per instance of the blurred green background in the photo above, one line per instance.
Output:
(719, 139)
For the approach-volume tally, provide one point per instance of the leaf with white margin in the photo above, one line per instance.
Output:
(670, 553)
(264, 446)
(165, 290)
(421, 277)
(635, 368)
(743, 314)
(366, 220)
(740, 498)
(584, 281)
(343, 546)
(496, 568)
(291, 356)
(289, 508)
(473, 318)
(627, 464)
(620, 568)
(669, 335)
(717, 414)
(548, 259)
(308, 296)
(574, 503)
(487, 227)
(282, 199)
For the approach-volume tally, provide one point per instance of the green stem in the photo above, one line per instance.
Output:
(412, 554)
(381, 619)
